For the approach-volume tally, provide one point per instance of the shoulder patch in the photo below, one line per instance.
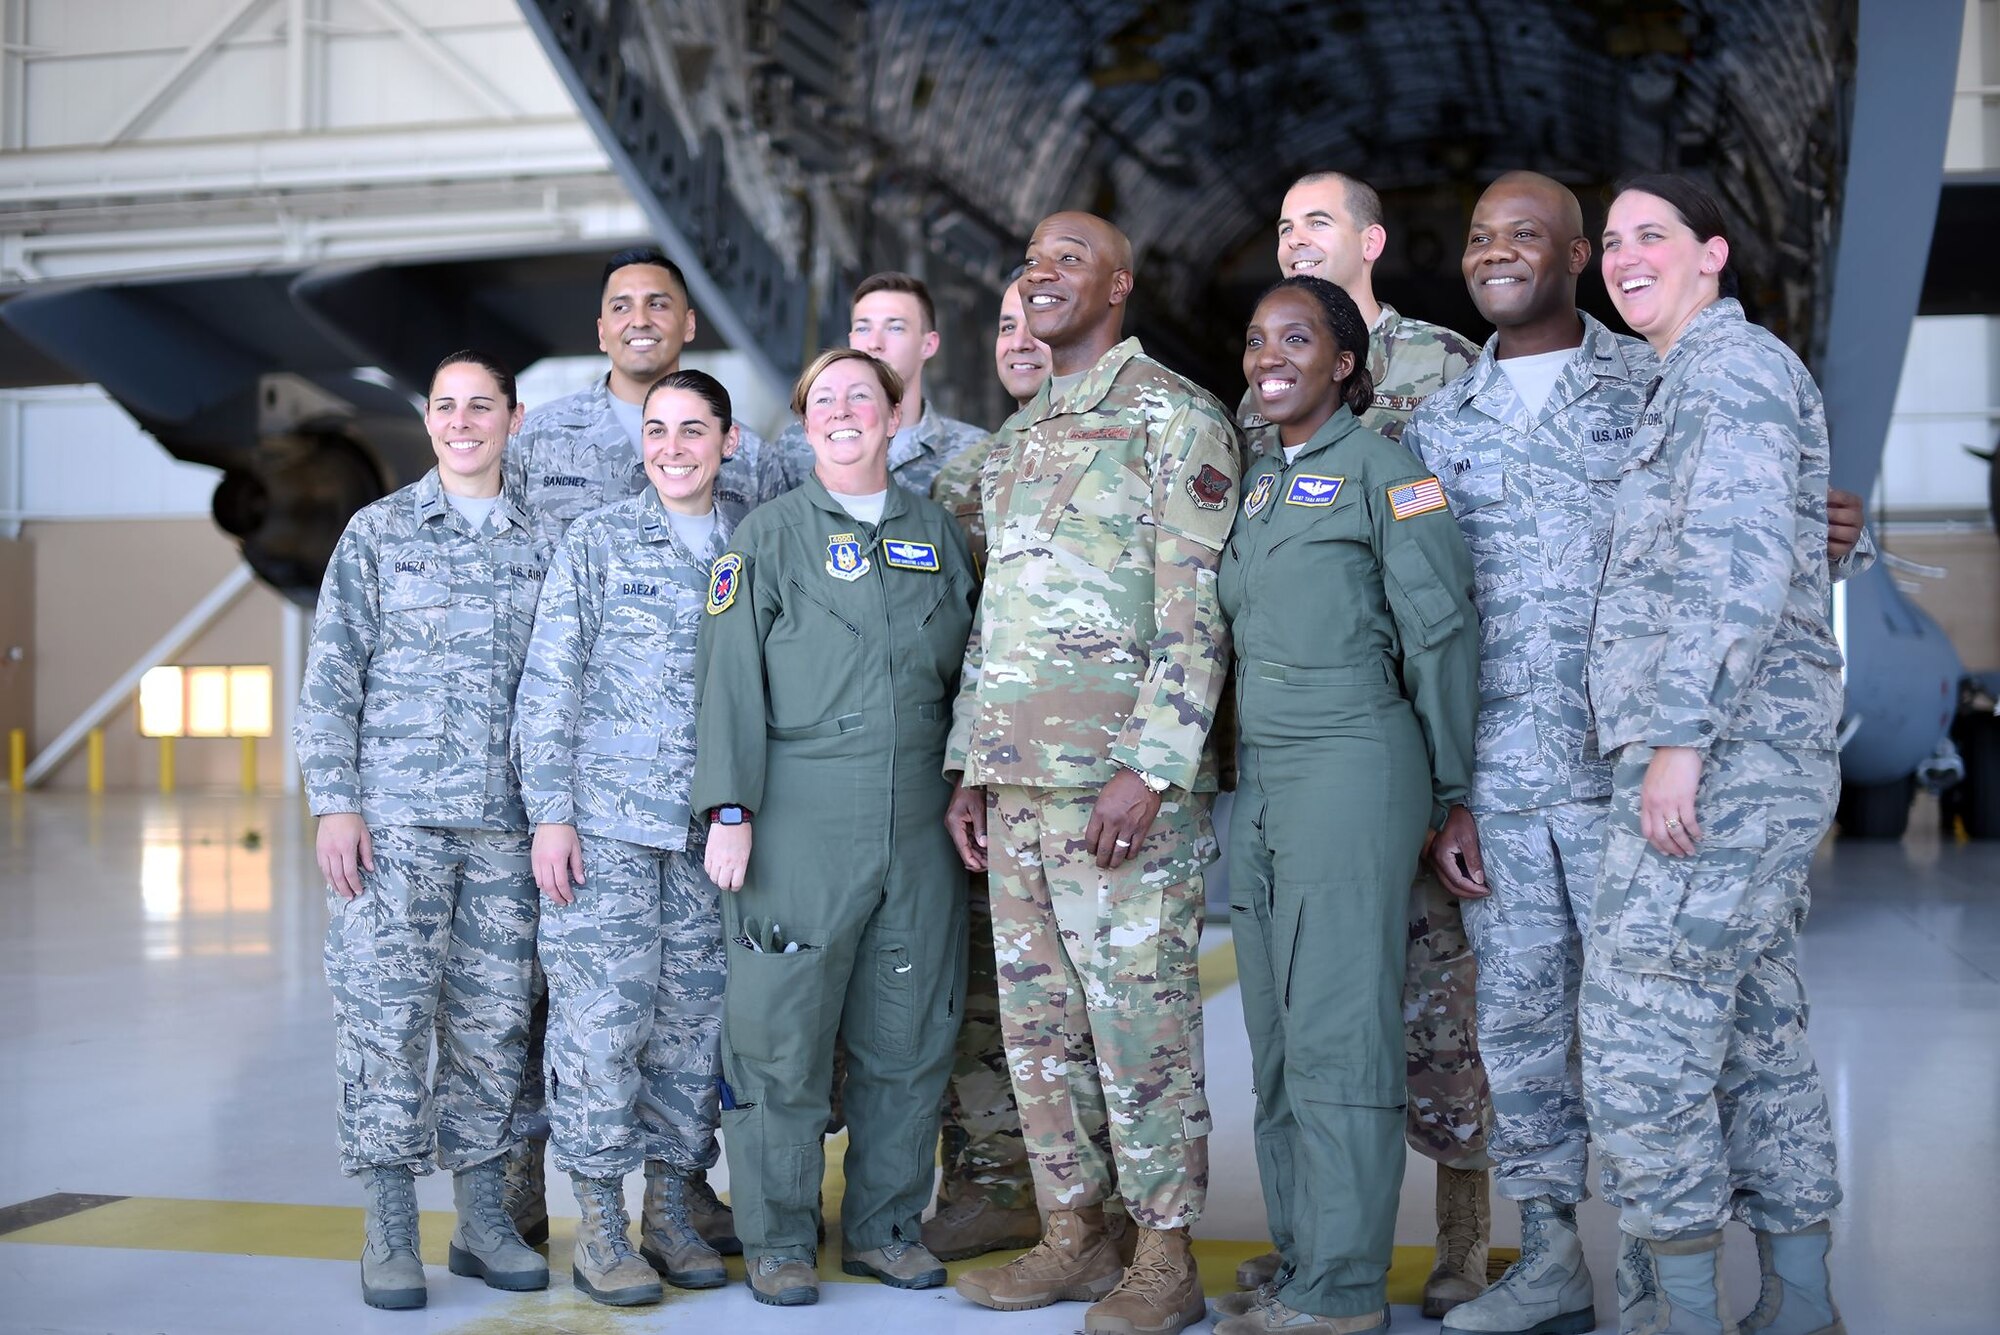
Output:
(1209, 488)
(723, 581)
(1410, 499)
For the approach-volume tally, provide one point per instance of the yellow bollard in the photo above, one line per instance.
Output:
(94, 762)
(17, 760)
(166, 766)
(249, 766)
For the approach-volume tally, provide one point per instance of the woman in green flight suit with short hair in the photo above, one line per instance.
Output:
(828, 661)
(1349, 594)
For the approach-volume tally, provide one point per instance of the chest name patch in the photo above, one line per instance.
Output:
(723, 582)
(1416, 498)
(1313, 489)
(910, 555)
(564, 480)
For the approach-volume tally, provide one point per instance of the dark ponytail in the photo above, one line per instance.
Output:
(1349, 331)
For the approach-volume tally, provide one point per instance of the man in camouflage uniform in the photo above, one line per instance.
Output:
(571, 456)
(631, 938)
(986, 1197)
(893, 319)
(1529, 445)
(417, 645)
(582, 451)
(1090, 686)
(1331, 227)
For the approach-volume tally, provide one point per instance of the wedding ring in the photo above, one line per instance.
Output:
(1673, 824)
(1121, 843)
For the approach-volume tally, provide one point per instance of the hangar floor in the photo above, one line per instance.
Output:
(166, 1159)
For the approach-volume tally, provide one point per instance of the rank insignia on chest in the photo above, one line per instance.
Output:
(1260, 495)
(1416, 498)
(844, 559)
(1313, 489)
(1209, 488)
(723, 581)
(910, 555)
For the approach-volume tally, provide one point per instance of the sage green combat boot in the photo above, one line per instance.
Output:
(1689, 1279)
(604, 1265)
(1796, 1297)
(392, 1274)
(485, 1244)
(1547, 1292)
(668, 1238)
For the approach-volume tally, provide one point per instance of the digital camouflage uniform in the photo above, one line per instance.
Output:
(417, 646)
(1532, 492)
(828, 659)
(1449, 1109)
(1099, 643)
(1712, 633)
(982, 1151)
(915, 455)
(571, 456)
(605, 739)
(1349, 597)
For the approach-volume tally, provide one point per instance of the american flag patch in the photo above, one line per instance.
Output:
(1416, 498)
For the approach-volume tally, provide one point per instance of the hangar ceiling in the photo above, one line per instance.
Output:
(931, 134)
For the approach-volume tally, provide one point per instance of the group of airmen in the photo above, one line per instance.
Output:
(681, 781)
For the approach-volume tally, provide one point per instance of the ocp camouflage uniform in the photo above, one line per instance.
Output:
(1712, 633)
(1099, 643)
(982, 1151)
(417, 646)
(1449, 1109)
(915, 454)
(572, 456)
(1532, 493)
(605, 739)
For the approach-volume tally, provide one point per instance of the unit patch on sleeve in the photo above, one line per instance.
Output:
(1416, 498)
(910, 555)
(723, 582)
(1209, 488)
(1313, 489)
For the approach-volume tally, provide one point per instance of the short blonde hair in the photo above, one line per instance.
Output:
(892, 384)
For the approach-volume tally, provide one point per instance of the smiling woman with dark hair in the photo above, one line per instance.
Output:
(1349, 596)
(1715, 684)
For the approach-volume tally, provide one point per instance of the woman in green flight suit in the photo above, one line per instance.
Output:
(827, 664)
(1349, 594)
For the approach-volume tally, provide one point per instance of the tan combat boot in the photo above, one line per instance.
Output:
(604, 1264)
(1258, 1271)
(668, 1238)
(1076, 1261)
(977, 1225)
(1160, 1292)
(1465, 1224)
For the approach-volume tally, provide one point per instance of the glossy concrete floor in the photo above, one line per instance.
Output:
(166, 1039)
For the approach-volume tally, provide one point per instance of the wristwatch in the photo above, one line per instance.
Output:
(1154, 785)
(729, 815)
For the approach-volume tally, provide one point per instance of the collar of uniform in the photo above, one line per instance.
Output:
(1727, 310)
(1330, 433)
(1385, 323)
(1607, 349)
(513, 503)
(1088, 392)
(893, 505)
(1599, 348)
(654, 526)
(920, 438)
(428, 499)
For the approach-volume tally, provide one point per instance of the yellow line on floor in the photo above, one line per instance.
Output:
(1218, 968)
(333, 1233)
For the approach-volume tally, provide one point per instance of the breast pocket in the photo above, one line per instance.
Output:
(1094, 513)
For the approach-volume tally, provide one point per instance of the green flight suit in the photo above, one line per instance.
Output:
(827, 667)
(1349, 594)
